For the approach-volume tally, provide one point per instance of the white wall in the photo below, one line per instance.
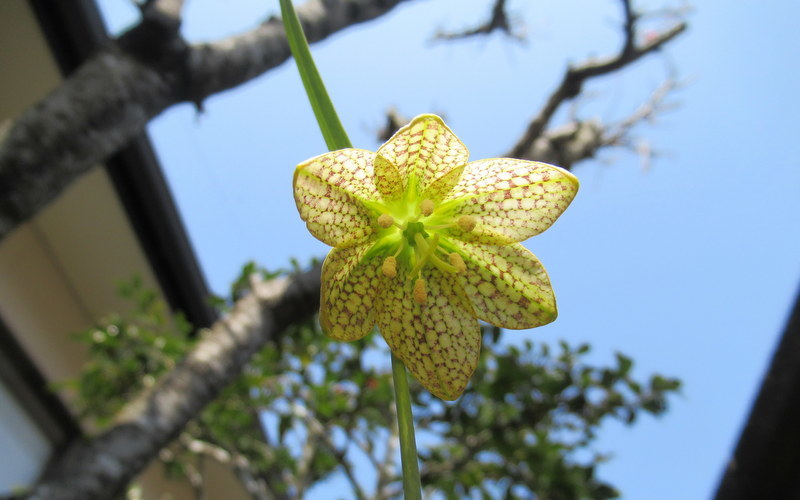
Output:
(24, 447)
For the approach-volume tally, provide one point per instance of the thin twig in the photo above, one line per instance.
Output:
(387, 472)
(318, 432)
(499, 20)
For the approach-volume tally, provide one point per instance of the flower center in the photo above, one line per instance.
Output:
(419, 239)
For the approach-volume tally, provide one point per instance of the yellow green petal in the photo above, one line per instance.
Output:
(347, 298)
(512, 200)
(507, 285)
(441, 187)
(439, 341)
(330, 191)
(387, 179)
(423, 151)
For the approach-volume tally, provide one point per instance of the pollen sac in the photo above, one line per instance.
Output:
(420, 292)
(426, 207)
(457, 262)
(466, 223)
(389, 267)
(385, 221)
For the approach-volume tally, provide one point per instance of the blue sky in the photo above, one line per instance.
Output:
(689, 266)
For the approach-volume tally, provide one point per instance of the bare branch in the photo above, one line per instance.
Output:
(499, 20)
(628, 27)
(567, 144)
(100, 467)
(572, 83)
(616, 134)
(317, 432)
(579, 140)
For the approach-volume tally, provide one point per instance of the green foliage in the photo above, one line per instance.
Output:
(527, 415)
(127, 353)
(307, 407)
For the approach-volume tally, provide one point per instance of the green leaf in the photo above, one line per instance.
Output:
(329, 123)
(625, 364)
(661, 384)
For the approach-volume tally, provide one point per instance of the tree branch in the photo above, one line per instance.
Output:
(579, 140)
(113, 95)
(101, 467)
(499, 20)
(572, 83)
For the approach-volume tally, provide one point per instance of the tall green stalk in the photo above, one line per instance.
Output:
(336, 138)
(405, 421)
(329, 123)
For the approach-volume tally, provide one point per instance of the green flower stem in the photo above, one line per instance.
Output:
(336, 138)
(329, 123)
(405, 421)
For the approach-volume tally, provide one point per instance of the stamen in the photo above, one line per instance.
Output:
(385, 221)
(389, 267)
(420, 293)
(426, 207)
(457, 262)
(466, 223)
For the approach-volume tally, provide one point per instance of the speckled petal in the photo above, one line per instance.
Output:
(423, 151)
(347, 298)
(438, 341)
(330, 191)
(507, 285)
(387, 179)
(441, 187)
(512, 200)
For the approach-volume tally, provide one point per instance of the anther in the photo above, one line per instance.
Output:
(457, 262)
(426, 207)
(466, 223)
(389, 267)
(420, 294)
(385, 220)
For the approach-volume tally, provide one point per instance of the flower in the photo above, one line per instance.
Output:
(425, 244)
